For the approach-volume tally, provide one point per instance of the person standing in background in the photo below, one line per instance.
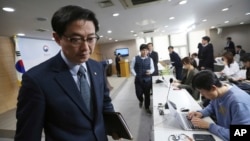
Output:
(176, 62)
(230, 46)
(142, 67)
(206, 54)
(66, 95)
(117, 64)
(154, 55)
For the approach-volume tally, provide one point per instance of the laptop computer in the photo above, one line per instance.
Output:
(184, 122)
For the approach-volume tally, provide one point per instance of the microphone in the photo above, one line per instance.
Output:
(170, 81)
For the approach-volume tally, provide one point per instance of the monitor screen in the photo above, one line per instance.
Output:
(123, 51)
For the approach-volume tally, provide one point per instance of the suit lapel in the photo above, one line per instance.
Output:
(66, 81)
(94, 74)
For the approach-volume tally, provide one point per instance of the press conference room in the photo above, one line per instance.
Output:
(39, 100)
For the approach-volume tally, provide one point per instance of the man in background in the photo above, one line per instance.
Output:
(176, 62)
(206, 54)
(154, 55)
(142, 67)
(230, 46)
(117, 64)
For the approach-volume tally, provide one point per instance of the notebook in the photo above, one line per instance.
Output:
(115, 123)
(184, 122)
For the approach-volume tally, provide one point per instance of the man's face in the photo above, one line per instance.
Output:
(170, 50)
(203, 42)
(144, 52)
(150, 47)
(78, 41)
(209, 94)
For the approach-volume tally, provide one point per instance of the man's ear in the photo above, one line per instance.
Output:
(56, 37)
(213, 88)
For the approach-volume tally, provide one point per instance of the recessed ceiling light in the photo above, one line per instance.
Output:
(212, 26)
(116, 40)
(132, 31)
(204, 20)
(166, 26)
(171, 18)
(248, 13)
(182, 2)
(52, 38)
(225, 9)
(116, 14)
(101, 36)
(8, 9)
(135, 35)
(241, 22)
(110, 38)
(20, 34)
(109, 31)
(226, 22)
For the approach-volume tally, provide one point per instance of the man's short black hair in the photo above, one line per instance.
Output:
(205, 80)
(143, 46)
(206, 38)
(229, 38)
(68, 14)
(239, 46)
(171, 47)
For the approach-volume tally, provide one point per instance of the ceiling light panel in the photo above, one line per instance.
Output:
(225, 9)
(8, 9)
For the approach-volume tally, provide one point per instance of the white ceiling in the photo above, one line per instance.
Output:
(150, 16)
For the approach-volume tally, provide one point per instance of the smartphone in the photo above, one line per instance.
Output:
(203, 137)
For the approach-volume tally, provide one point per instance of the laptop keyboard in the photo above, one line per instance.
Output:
(188, 121)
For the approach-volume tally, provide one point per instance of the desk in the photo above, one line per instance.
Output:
(166, 125)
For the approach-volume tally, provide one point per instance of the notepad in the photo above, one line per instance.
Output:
(115, 123)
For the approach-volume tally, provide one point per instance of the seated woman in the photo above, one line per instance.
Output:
(231, 67)
(188, 73)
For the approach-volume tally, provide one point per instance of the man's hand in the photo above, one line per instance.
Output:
(192, 115)
(115, 136)
(200, 123)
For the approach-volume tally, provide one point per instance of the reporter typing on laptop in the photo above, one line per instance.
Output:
(228, 103)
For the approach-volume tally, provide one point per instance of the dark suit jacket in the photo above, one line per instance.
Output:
(155, 58)
(49, 99)
(241, 52)
(206, 57)
(230, 47)
(175, 58)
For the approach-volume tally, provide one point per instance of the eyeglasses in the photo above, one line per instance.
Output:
(77, 40)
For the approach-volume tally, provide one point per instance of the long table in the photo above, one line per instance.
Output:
(166, 125)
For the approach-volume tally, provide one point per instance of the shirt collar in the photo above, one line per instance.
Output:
(73, 67)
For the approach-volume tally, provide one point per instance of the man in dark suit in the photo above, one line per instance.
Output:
(240, 51)
(176, 62)
(117, 64)
(230, 45)
(52, 96)
(154, 55)
(206, 55)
